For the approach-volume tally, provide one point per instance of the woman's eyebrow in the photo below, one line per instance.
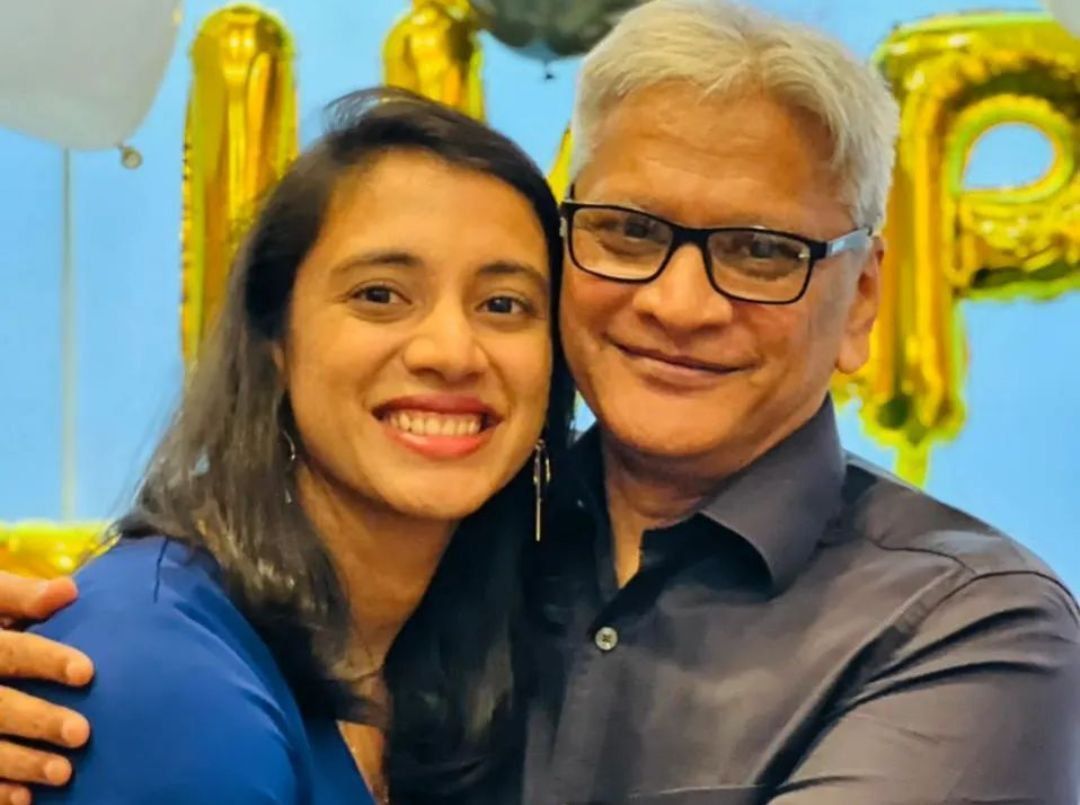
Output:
(504, 268)
(379, 257)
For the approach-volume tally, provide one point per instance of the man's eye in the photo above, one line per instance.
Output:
(636, 229)
(763, 249)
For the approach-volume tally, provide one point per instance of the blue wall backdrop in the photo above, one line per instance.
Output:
(1015, 464)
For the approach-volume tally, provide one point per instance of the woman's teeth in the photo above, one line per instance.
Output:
(423, 423)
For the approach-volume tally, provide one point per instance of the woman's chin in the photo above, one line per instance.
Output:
(447, 503)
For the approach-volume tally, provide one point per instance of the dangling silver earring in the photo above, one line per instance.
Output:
(292, 447)
(541, 478)
(292, 463)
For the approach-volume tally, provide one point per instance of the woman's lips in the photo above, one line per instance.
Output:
(439, 426)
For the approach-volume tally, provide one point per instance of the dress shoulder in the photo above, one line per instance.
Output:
(187, 704)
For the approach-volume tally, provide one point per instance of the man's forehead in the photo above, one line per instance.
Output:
(665, 104)
(729, 159)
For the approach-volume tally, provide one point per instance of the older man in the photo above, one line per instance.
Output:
(740, 612)
(733, 610)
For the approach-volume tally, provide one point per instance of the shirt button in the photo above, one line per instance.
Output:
(606, 638)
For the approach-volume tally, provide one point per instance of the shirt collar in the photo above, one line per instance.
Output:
(781, 504)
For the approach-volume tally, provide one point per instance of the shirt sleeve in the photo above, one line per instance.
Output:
(981, 705)
(178, 716)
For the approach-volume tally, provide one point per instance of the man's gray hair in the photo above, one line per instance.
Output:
(727, 48)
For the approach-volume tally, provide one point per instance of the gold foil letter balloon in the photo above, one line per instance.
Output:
(433, 51)
(241, 135)
(957, 77)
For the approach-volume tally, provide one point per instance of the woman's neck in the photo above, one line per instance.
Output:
(386, 560)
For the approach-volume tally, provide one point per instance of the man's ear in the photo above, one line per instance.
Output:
(862, 312)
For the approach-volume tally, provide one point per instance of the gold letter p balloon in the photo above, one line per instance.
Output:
(956, 78)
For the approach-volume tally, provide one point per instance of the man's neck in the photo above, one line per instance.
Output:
(642, 496)
(645, 492)
(386, 561)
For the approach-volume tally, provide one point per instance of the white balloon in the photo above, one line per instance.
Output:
(83, 73)
(1067, 13)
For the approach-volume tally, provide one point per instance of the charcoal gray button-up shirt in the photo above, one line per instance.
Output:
(819, 634)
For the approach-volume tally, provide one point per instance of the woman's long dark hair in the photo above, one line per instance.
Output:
(221, 480)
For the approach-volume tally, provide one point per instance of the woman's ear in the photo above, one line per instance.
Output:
(277, 352)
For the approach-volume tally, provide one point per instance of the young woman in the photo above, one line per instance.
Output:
(316, 595)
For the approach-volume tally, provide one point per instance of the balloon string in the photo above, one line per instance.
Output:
(68, 346)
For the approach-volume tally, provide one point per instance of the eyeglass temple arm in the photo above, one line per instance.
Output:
(852, 240)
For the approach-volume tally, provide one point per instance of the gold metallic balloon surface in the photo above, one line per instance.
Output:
(433, 51)
(559, 175)
(240, 136)
(957, 77)
(44, 550)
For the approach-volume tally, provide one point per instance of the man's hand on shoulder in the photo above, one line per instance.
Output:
(28, 656)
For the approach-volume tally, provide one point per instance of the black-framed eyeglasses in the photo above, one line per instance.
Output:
(752, 264)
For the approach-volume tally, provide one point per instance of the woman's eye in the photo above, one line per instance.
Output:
(377, 295)
(506, 305)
